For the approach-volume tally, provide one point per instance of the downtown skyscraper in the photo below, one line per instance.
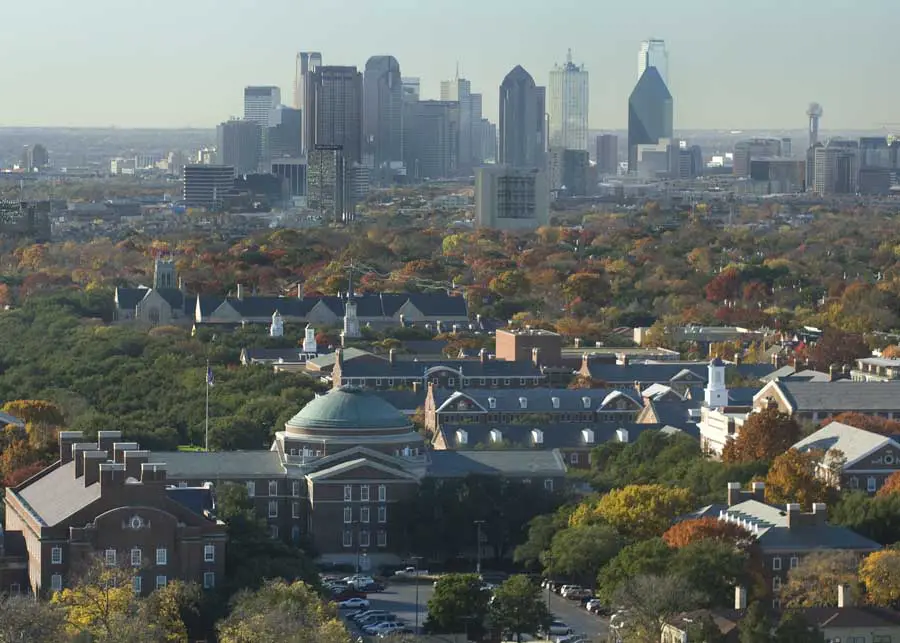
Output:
(522, 120)
(469, 146)
(334, 115)
(653, 53)
(259, 102)
(382, 112)
(649, 115)
(569, 106)
(307, 63)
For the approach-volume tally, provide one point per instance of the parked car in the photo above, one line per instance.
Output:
(373, 587)
(579, 594)
(365, 613)
(376, 619)
(346, 594)
(411, 571)
(388, 627)
(566, 589)
(354, 603)
(558, 628)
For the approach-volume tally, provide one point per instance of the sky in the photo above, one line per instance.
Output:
(752, 64)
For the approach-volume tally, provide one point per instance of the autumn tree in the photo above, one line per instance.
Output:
(763, 436)
(891, 485)
(837, 348)
(23, 619)
(724, 286)
(873, 423)
(637, 511)
(694, 530)
(797, 476)
(879, 573)
(814, 582)
(41, 419)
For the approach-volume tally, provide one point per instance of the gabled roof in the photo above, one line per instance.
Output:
(349, 354)
(289, 355)
(176, 299)
(835, 397)
(219, 465)
(57, 495)
(403, 400)
(558, 435)
(509, 463)
(350, 465)
(129, 298)
(855, 444)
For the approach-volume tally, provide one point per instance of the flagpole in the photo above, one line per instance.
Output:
(206, 445)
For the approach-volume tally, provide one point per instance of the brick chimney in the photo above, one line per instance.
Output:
(392, 356)
(740, 598)
(133, 462)
(482, 355)
(820, 513)
(734, 493)
(92, 462)
(794, 515)
(66, 440)
(119, 449)
(240, 292)
(112, 474)
(153, 472)
(759, 491)
(536, 356)
(106, 439)
(77, 450)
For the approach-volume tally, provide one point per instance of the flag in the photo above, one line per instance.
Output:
(210, 380)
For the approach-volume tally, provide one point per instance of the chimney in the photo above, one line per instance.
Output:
(621, 359)
(106, 440)
(734, 493)
(536, 356)
(585, 364)
(133, 462)
(482, 355)
(112, 474)
(831, 372)
(759, 491)
(299, 291)
(577, 342)
(153, 472)
(820, 513)
(66, 440)
(737, 359)
(845, 597)
(119, 449)
(403, 320)
(181, 284)
(77, 449)
(92, 462)
(794, 515)
(416, 386)
(392, 356)
(776, 361)
(240, 292)
(740, 598)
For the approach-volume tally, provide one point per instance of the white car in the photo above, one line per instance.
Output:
(558, 628)
(354, 603)
(388, 627)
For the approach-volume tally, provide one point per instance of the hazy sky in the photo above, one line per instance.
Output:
(733, 64)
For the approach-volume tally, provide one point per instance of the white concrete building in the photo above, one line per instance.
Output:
(569, 106)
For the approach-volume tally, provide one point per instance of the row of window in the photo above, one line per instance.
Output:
(137, 556)
(364, 538)
(273, 509)
(871, 482)
(273, 485)
(364, 493)
(776, 562)
(364, 515)
(137, 584)
(513, 418)
(451, 381)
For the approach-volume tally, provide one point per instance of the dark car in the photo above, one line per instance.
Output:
(343, 595)
(374, 587)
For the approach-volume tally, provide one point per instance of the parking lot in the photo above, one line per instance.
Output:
(400, 598)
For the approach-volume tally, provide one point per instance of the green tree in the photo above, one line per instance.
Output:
(794, 628)
(756, 626)
(518, 607)
(652, 601)
(459, 604)
(25, 620)
(814, 582)
(541, 530)
(579, 552)
(712, 568)
(705, 631)
(175, 611)
(280, 612)
(877, 518)
(644, 558)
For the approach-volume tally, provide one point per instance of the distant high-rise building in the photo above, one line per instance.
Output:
(237, 145)
(35, 158)
(488, 137)
(787, 147)
(335, 111)
(778, 175)
(411, 89)
(569, 106)
(835, 167)
(814, 112)
(608, 154)
(469, 146)
(753, 148)
(431, 135)
(207, 186)
(649, 114)
(576, 164)
(511, 198)
(877, 165)
(292, 172)
(285, 133)
(522, 121)
(653, 54)
(383, 111)
(259, 102)
(326, 181)
(307, 63)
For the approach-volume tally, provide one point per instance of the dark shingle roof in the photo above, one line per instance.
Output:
(538, 400)
(561, 435)
(271, 354)
(834, 397)
(58, 494)
(470, 368)
(177, 299)
(197, 499)
(666, 372)
(403, 400)
(129, 298)
(200, 465)
(509, 463)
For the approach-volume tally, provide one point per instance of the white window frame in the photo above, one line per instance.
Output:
(273, 509)
(162, 556)
(161, 581)
(295, 510)
(347, 539)
(56, 557)
(390, 381)
(137, 557)
(573, 457)
(15, 588)
(348, 515)
(506, 381)
(251, 488)
(56, 582)
(794, 562)
(382, 493)
(523, 381)
(209, 580)
(273, 487)
(112, 557)
(137, 584)
(776, 563)
(364, 493)
(382, 514)
(776, 583)
(209, 553)
(871, 484)
(548, 484)
(451, 381)
(377, 381)
(364, 515)
(382, 538)
(295, 488)
(364, 540)
(273, 532)
(348, 493)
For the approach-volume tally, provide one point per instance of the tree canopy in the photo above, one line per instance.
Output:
(763, 436)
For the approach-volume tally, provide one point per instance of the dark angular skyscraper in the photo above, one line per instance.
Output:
(649, 114)
(335, 110)
(522, 120)
(382, 110)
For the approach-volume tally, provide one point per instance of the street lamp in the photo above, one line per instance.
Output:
(478, 524)
(415, 560)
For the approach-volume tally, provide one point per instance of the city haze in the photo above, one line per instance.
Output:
(184, 64)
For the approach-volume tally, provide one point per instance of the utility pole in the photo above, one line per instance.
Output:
(416, 560)
(478, 524)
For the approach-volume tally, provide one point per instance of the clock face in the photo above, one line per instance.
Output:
(136, 522)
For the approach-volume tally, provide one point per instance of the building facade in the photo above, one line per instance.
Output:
(569, 106)
(382, 112)
(326, 173)
(207, 186)
(238, 145)
(469, 145)
(746, 151)
(335, 110)
(522, 121)
(511, 198)
(653, 53)
(608, 154)
(649, 115)
(431, 139)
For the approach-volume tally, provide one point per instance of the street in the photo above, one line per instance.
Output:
(400, 598)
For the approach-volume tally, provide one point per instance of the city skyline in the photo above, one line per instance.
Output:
(137, 87)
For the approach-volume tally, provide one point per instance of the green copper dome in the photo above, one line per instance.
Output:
(348, 408)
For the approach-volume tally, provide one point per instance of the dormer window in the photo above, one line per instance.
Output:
(588, 436)
(586, 401)
(462, 437)
(492, 402)
(537, 436)
(523, 402)
(496, 436)
(555, 401)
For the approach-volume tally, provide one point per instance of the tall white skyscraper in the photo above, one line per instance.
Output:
(653, 54)
(307, 63)
(569, 106)
(259, 103)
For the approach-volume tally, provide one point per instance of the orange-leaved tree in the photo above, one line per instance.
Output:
(690, 531)
(764, 435)
(891, 485)
(880, 573)
(800, 477)
(865, 422)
